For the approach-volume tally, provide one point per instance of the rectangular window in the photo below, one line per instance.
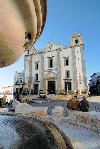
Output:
(28, 52)
(98, 82)
(66, 61)
(50, 61)
(67, 74)
(36, 66)
(18, 80)
(36, 77)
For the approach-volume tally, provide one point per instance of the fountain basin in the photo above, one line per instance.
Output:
(24, 131)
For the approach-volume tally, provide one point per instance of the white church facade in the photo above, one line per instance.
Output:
(54, 68)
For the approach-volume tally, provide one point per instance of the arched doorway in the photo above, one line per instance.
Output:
(51, 83)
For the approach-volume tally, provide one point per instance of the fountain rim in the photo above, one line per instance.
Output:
(61, 141)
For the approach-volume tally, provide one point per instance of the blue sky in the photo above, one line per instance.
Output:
(63, 18)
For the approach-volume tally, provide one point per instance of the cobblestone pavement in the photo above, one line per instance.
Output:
(80, 137)
(94, 106)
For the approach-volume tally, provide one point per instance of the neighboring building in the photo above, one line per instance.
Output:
(56, 67)
(94, 83)
(18, 82)
(8, 93)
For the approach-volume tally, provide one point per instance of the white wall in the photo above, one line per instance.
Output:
(65, 53)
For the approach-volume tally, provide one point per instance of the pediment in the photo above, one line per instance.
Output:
(51, 75)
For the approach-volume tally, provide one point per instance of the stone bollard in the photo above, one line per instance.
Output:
(58, 113)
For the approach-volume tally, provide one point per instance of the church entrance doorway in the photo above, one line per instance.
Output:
(51, 87)
(36, 89)
(67, 86)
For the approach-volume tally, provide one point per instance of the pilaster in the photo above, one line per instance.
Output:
(75, 85)
(42, 72)
(83, 67)
(58, 70)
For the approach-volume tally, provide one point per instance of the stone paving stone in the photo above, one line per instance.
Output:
(69, 121)
(74, 122)
(72, 116)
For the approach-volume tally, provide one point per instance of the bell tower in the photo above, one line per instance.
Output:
(79, 69)
(76, 39)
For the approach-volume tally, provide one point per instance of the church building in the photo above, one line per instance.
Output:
(54, 68)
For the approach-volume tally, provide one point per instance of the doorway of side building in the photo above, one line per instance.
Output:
(67, 86)
(16, 90)
(51, 87)
(36, 89)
